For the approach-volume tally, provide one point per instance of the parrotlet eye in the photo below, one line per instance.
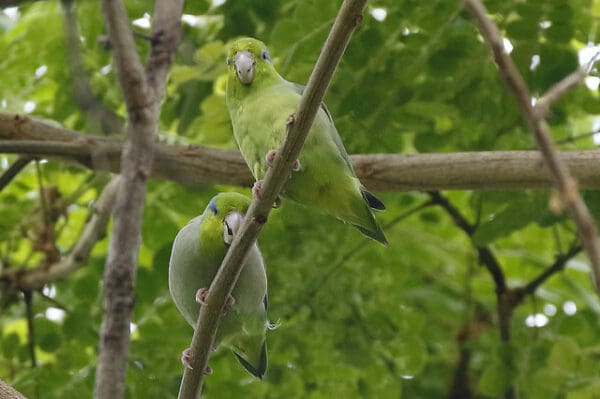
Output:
(265, 55)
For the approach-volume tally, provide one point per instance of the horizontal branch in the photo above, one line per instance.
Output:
(198, 165)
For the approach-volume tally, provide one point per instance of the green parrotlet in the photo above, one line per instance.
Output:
(198, 250)
(260, 103)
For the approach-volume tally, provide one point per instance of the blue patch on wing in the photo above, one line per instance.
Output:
(213, 206)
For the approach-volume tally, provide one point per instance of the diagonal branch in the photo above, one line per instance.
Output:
(348, 18)
(559, 263)
(13, 170)
(565, 184)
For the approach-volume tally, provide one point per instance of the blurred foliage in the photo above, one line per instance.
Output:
(355, 319)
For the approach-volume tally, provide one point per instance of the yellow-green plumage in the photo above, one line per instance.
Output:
(198, 251)
(259, 111)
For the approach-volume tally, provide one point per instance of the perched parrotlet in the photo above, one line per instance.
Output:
(260, 103)
(198, 250)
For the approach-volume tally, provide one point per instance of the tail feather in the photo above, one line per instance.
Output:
(372, 200)
(259, 369)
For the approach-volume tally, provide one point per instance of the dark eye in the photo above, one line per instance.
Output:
(228, 61)
(265, 55)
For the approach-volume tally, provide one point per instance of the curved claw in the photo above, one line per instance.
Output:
(201, 296)
(186, 357)
(270, 157)
(256, 189)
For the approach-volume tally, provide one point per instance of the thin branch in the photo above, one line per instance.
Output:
(102, 119)
(566, 185)
(94, 230)
(348, 18)
(13, 170)
(30, 327)
(572, 139)
(559, 89)
(198, 165)
(143, 92)
(486, 256)
(559, 263)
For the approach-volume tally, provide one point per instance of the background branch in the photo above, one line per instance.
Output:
(94, 230)
(348, 18)
(143, 94)
(198, 165)
(13, 170)
(566, 185)
(100, 118)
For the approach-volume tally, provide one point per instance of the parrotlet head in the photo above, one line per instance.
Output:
(225, 212)
(249, 61)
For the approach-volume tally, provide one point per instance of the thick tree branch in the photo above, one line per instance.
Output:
(566, 185)
(143, 93)
(348, 18)
(94, 230)
(197, 165)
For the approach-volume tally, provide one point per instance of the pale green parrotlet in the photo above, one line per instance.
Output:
(260, 103)
(198, 250)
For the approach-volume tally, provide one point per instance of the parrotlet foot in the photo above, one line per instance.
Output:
(201, 299)
(270, 157)
(186, 357)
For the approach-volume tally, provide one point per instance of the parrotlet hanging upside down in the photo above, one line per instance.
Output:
(197, 253)
(260, 103)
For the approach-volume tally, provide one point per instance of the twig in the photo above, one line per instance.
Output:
(198, 165)
(348, 18)
(143, 92)
(559, 263)
(94, 230)
(571, 139)
(566, 185)
(102, 118)
(13, 170)
(486, 256)
(559, 89)
(30, 327)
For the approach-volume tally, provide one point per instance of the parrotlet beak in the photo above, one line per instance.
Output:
(231, 225)
(244, 66)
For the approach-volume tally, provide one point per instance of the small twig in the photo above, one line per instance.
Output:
(94, 230)
(13, 170)
(559, 263)
(566, 185)
(486, 256)
(102, 118)
(559, 89)
(349, 16)
(572, 139)
(30, 327)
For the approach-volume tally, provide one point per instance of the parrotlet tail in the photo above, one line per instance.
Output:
(257, 366)
(374, 230)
